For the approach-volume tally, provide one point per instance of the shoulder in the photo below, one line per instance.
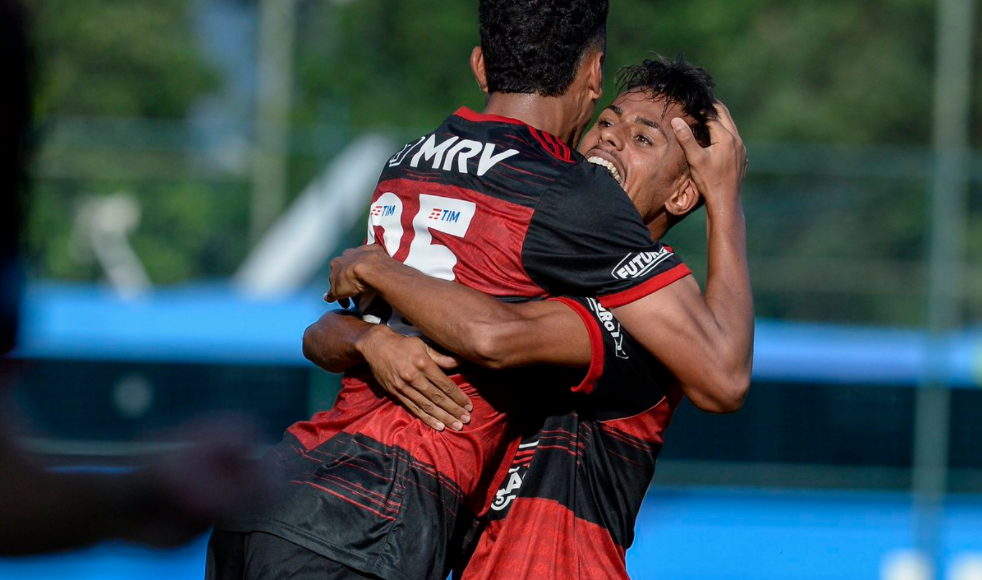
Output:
(585, 199)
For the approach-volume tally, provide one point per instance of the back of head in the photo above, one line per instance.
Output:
(536, 46)
(679, 82)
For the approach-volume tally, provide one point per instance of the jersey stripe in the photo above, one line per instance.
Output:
(648, 287)
(596, 346)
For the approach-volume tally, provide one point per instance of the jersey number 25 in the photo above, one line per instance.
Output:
(441, 214)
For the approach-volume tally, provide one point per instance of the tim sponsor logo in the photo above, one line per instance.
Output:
(380, 210)
(638, 264)
(444, 215)
(611, 325)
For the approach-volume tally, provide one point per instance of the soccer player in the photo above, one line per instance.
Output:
(580, 475)
(498, 202)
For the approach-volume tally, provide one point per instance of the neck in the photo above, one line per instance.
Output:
(659, 226)
(544, 113)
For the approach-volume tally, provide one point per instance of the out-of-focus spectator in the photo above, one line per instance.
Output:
(171, 498)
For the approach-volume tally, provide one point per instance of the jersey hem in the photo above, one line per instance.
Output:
(645, 288)
(318, 546)
(596, 346)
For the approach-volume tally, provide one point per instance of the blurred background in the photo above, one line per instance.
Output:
(199, 161)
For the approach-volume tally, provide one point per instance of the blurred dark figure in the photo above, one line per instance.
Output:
(172, 498)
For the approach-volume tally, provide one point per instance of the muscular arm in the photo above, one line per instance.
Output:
(477, 327)
(405, 367)
(338, 341)
(469, 323)
(707, 341)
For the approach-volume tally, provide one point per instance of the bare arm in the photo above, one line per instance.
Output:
(707, 341)
(475, 326)
(405, 367)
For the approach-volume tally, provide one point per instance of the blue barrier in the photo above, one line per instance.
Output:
(697, 534)
(213, 323)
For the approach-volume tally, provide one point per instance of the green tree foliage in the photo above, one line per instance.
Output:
(124, 59)
(833, 97)
(107, 60)
(813, 80)
(813, 71)
(392, 64)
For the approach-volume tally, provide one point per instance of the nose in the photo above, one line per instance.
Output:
(612, 135)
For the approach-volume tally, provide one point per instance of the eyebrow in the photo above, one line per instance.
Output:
(647, 122)
(639, 119)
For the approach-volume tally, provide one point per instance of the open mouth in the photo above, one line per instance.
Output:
(609, 166)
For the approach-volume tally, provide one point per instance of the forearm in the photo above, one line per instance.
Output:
(479, 327)
(337, 340)
(728, 294)
(705, 340)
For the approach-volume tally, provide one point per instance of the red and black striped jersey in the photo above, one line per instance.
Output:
(568, 505)
(498, 206)
(511, 211)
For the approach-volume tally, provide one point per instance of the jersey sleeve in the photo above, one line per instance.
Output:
(623, 379)
(586, 238)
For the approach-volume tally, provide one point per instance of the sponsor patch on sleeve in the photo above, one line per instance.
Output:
(637, 264)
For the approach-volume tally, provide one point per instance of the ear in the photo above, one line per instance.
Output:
(595, 77)
(685, 199)
(477, 67)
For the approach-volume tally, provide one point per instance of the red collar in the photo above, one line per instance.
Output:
(470, 115)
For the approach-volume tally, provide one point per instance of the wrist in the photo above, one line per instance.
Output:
(725, 201)
(367, 270)
(367, 342)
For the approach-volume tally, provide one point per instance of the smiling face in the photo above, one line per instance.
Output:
(633, 139)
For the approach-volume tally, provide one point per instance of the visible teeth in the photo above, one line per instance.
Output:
(606, 165)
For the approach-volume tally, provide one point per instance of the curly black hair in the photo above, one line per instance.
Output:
(679, 82)
(536, 46)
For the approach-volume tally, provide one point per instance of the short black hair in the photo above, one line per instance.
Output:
(536, 46)
(678, 81)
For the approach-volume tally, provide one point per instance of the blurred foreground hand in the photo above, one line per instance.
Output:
(168, 500)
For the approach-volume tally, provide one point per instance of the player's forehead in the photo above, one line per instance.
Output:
(644, 107)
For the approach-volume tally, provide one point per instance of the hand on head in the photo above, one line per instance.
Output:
(718, 170)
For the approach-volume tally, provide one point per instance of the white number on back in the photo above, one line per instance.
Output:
(436, 214)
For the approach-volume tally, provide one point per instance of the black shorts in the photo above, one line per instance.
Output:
(259, 556)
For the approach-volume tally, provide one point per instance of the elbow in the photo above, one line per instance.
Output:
(489, 345)
(734, 397)
(308, 349)
(308, 343)
(311, 351)
(726, 393)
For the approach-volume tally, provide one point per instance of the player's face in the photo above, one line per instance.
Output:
(633, 139)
